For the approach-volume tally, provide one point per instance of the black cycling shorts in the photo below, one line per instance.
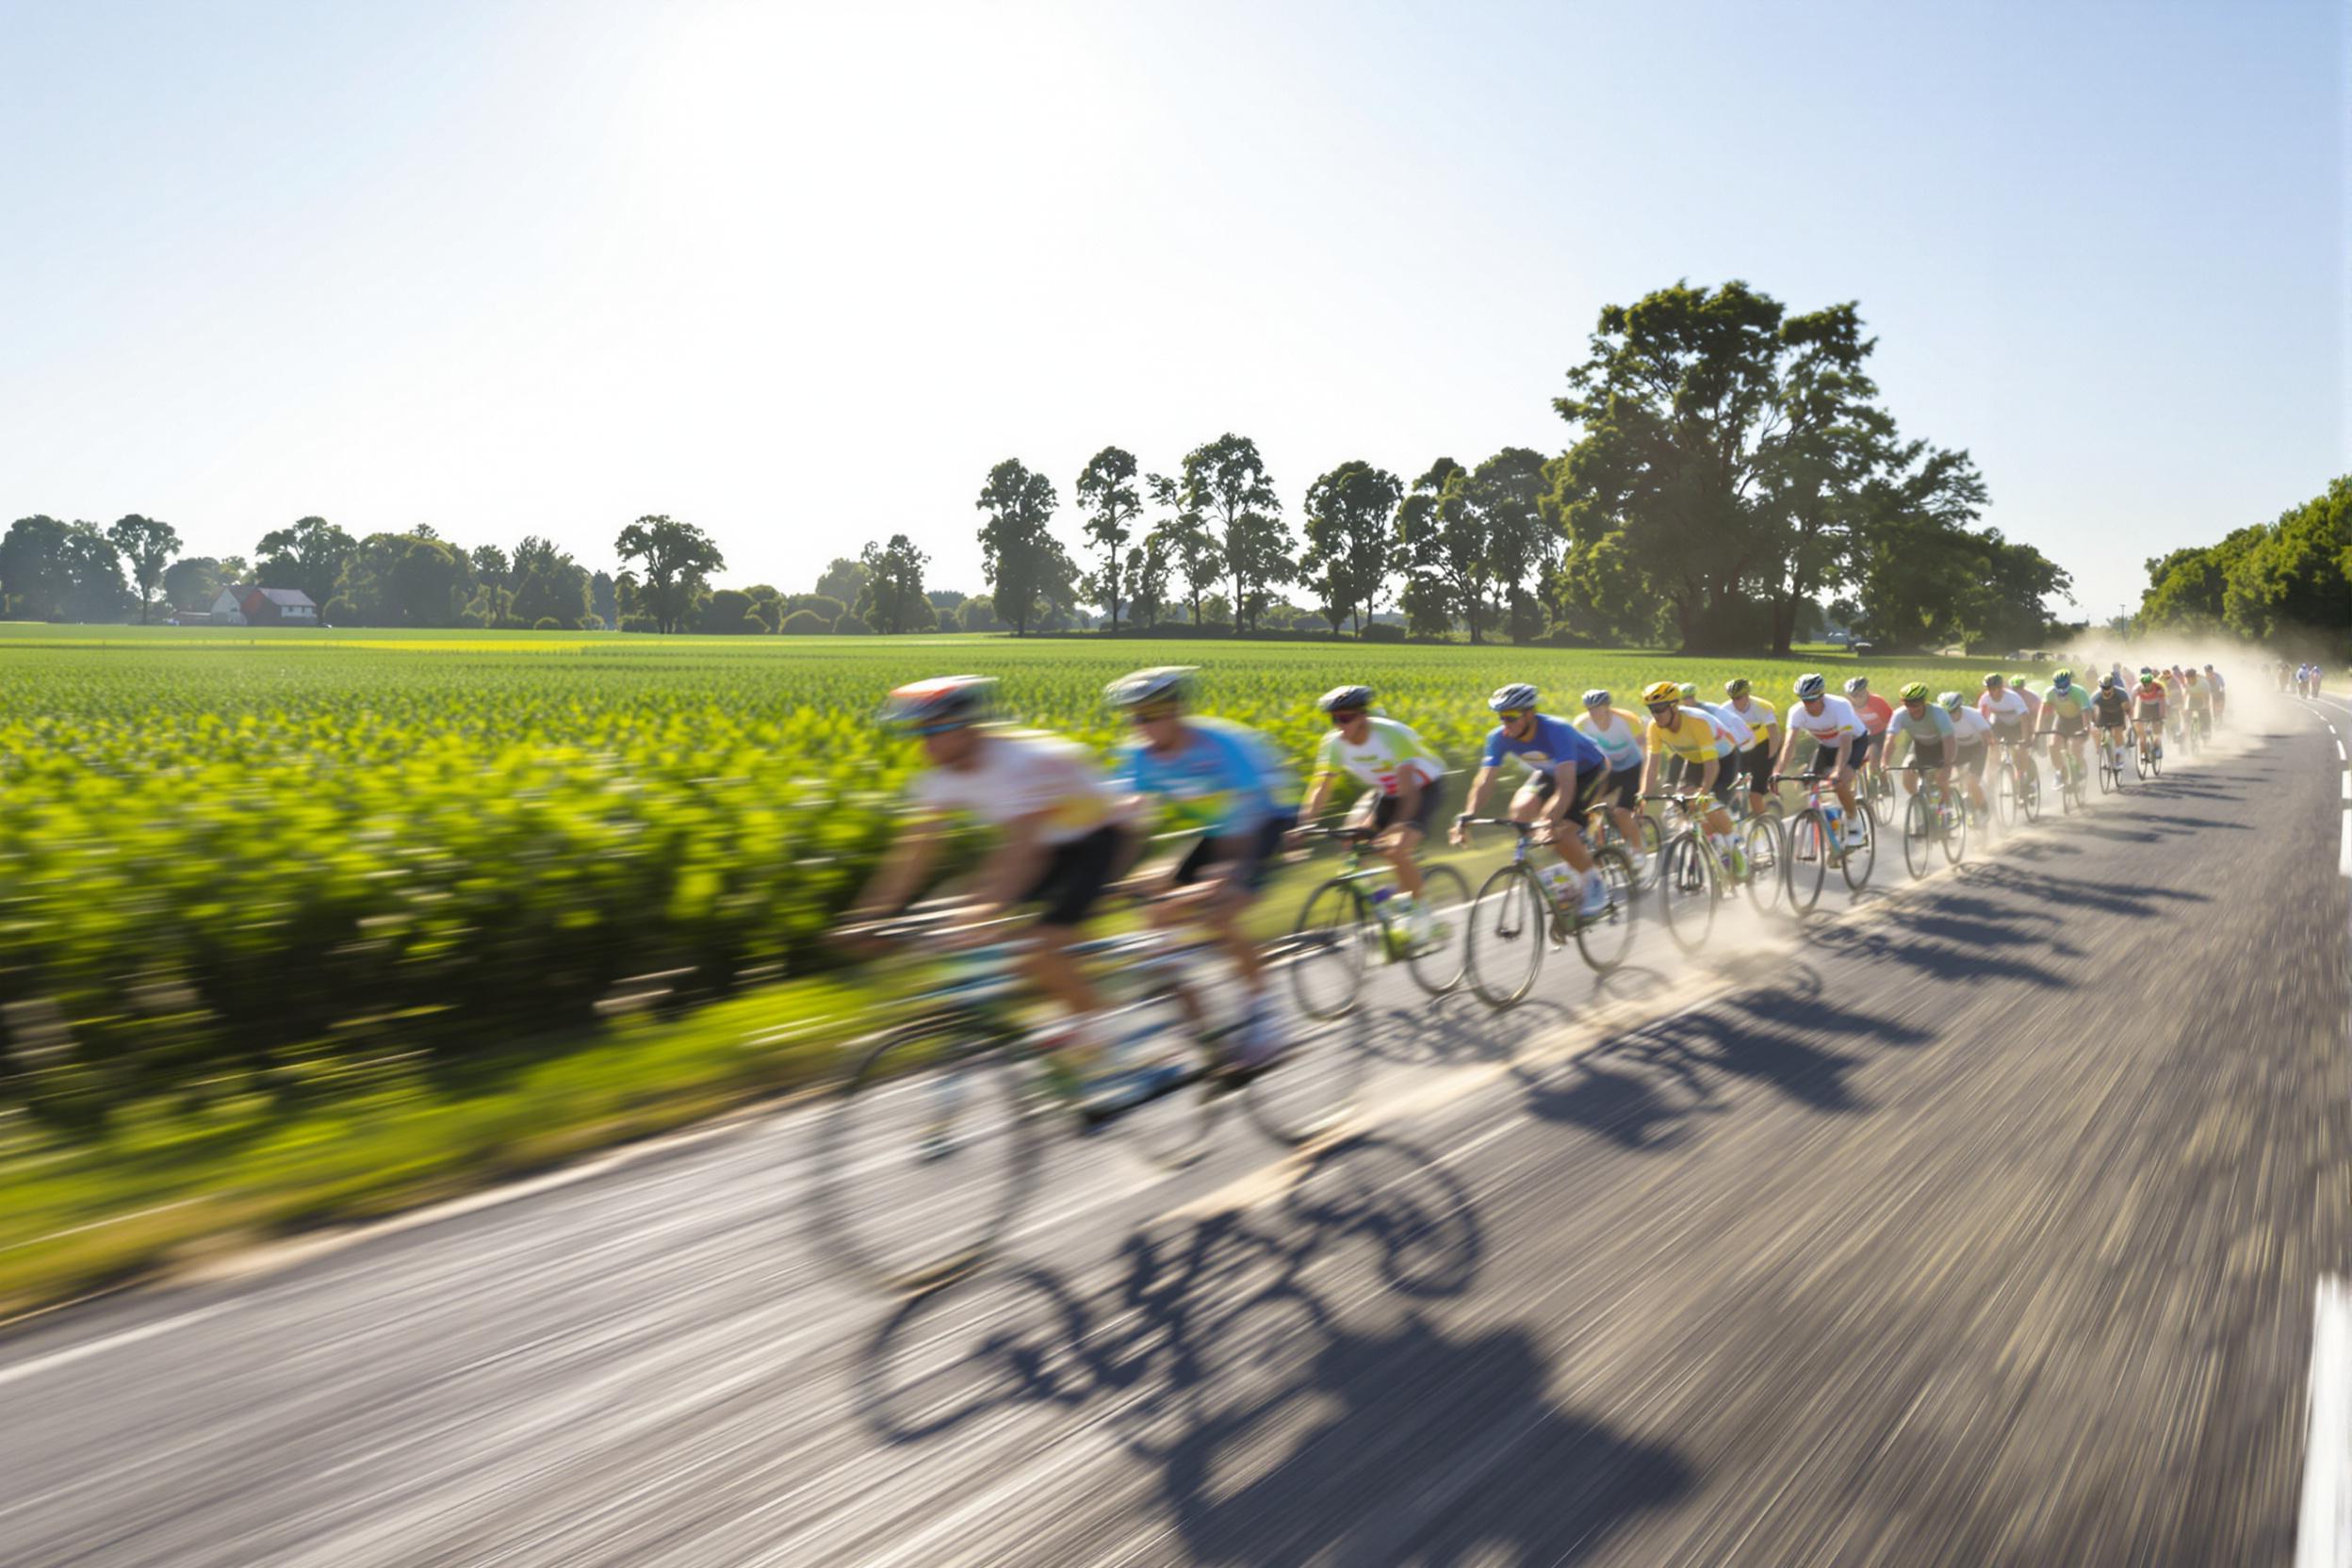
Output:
(1252, 853)
(1622, 788)
(2070, 724)
(1927, 756)
(1756, 762)
(1389, 810)
(1969, 760)
(1075, 875)
(1865, 747)
(1590, 783)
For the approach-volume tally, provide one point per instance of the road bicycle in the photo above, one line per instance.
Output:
(1693, 876)
(2148, 756)
(2201, 726)
(2109, 761)
(1353, 915)
(2072, 793)
(2018, 789)
(1516, 916)
(1815, 839)
(1926, 827)
(931, 1145)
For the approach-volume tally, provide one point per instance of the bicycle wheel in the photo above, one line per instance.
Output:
(1437, 963)
(1804, 864)
(925, 1157)
(2139, 759)
(1606, 939)
(1327, 947)
(1860, 860)
(1917, 826)
(1956, 838)
(2005, 797)
(1510, 922)
(1313, 1088)
(1761, 842)
(1687, 891)
(1155, 1032)
(2030, 791)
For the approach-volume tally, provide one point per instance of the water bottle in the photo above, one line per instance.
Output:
(1554, 881)
(1382, 895)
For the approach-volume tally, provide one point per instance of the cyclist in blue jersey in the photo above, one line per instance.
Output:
(1231, 784)
(1566, 772)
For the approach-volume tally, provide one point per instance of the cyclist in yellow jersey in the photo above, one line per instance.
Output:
(1702, 743)
(1763, 722)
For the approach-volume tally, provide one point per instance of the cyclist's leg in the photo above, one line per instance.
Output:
(1072, 880)
(1402, 835)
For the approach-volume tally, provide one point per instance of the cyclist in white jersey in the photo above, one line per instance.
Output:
(1837, 733)
(1973, 731)
(2010, 711)
(1405, 785)
(1618, 734)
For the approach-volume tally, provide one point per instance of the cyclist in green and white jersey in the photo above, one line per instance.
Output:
(2067, 719)
(1935, 741)
(1618, 734)
(1406, 784)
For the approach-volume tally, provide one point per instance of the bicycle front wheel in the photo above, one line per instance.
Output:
(1312, 1089)
(1508, 926)
(1860, 860)
(1606, 939)
(1804, 864)
(1328, 945)
(1761, 840)
(1438, 961)
(2030, 792)
(1687, 891)
(1956, 836)
(925, 1156)
(1917, 826)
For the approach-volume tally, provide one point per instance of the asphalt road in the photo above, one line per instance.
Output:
(1979, 1225)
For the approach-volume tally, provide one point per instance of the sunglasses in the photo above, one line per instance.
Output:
(1345, 715)
(1509, 714)
(1149, 715)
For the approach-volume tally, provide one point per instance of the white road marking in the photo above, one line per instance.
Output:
(2324, 1536)
(110, 1342)
(2343, 856)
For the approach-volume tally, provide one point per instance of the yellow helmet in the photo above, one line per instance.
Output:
(1661, 691)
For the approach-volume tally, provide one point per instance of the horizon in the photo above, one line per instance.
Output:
(801, 278)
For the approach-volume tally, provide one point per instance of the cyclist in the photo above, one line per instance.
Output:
(1764, 721)
(2111, 710)
(2319, 673)
(2201, 702)
(1704, 744)
(1230, 781)
(2176, 699)
(2221, 693)
(1404, 781)
(1972, 735)
(2065, 719)
(1565, 775)
(1618, 734)
(1837, 734)
(2004, 708)
(2148, 712)
(1876, 713)
(1931, 735)
(1064, 836)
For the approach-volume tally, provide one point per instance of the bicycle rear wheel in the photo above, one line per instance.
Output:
(1313, 1088)
(1687, 891)
(1155, 1032)
(1328, 946)
(1761, 841)
(1510, 922)
(1606, 939)
(925, 1157)
(1804, 864)
(1956, 838)
(1917, 826)
(1858, 860)
(1437, 964)
(2005, 797)
(2030, 791)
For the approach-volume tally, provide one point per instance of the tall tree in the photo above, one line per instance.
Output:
(1224, 483)
(33, 579)
(147, 545)
(602, 600)
(893, 599)
(1026, 566)
(94, 589)
(192, 582)
(1185, 543)
(491, 565)
(1106, 493)
(309, 555)
(842, 580)
(547, 582)
(1444, 535)
(1147, 580)
(406, 579)
(1351, 539)
(678, 558)
(1522, 538)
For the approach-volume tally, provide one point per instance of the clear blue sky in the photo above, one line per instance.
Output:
(802, 273)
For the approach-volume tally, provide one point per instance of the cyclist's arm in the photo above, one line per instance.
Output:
(1477, 792)
(1318, 790)
(906, 866)
(1013, 864)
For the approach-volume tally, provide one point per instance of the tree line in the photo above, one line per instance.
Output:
(1733, 476)
(2286, 584)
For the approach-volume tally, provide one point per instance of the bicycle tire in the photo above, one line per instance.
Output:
(1805, 866)
(881, 1186)
(1327, 957)
(1915, 851)
(2030, 791)
(1509, 923)
(2005, 797)
(1761, 841)
(1445, 894)
(1604, 940)
(1172, 1130)
(1956, 838)
(1864, 855)
(1312, 1090)
(1688, 891)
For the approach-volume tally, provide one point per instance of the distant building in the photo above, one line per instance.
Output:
(242, 605)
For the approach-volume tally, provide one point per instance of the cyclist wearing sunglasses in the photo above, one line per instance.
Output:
(1404, 783)
(1233, 785)
(1566, 773)
(1702, 743)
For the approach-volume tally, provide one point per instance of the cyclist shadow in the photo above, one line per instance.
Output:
(1948, 947)
(2075, 896)
(1285, 1413)
(1458, 1029)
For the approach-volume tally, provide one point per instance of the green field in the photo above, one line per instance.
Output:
(249, 879)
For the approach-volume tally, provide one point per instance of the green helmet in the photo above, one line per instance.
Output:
(1736, 687)
(1689, 690)
(1916, 692)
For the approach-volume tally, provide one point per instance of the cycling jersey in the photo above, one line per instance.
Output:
(1831, 726)
(1389, 752)
(1550, 743)
(1697, 736)
(2070, 704)
(1620, 741)
(1933, 725)
(2113, 706)
(1223, 775)
(1876, 713)
(1972, 727)
(1019, 774)
(2212, 678)
(2200, 695)
(2006, 708)
(2152, 695)
(1759, 715)
(1743, 735)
